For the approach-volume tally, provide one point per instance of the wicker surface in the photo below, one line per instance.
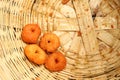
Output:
(89, 31)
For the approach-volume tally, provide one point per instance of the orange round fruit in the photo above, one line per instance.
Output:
(35, 54)
(31, 33)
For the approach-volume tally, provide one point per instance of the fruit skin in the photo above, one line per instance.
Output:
(65, 1)
(35, 54)
(49, 42)
(37, 78)
(56, 61)
(31, 33)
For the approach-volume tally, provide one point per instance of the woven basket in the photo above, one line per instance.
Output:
(89, 31)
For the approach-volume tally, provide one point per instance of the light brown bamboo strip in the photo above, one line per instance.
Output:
(111, 21)
(115, 33)
(107, 37)
(86, 27)
(107, 7)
